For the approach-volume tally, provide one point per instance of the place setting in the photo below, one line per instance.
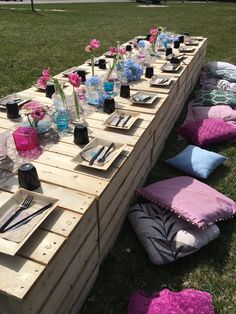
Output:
(99, 154)
(20, 216)
(160, 81)
(121, 120)
(144, 98)
(13, 100)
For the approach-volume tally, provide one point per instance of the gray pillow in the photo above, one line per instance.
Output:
(166, 237)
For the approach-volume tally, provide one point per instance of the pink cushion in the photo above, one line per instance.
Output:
(190, 199)
(188, 301)
(223, 112)
(208, 131)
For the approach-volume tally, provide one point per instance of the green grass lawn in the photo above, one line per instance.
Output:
(30, 42)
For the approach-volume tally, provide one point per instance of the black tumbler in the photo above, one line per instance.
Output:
(28, 177)
(102, 64)
(168, 51)
(12, 110)
(80, 134)
(109, 105)
(128, 48)
(149, 72)
(176, 44)
(50, 89)
(82, 75)
(181, 39)
(124, 91)
(148, 37)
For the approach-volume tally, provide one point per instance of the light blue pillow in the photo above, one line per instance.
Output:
(196, 161)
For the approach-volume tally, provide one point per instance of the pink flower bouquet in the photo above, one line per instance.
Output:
(35, 112)
(94, 44)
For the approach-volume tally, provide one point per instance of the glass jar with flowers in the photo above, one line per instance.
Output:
(37, 116)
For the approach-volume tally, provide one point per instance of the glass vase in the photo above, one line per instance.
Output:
(93, 94)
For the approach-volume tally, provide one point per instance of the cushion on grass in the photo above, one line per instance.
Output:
(222, 112)
(190, 199)
(196, 161)
(218, 65)
(188, 301)
(226, 74)
(166, 237)
(214, 97)
(208, 131)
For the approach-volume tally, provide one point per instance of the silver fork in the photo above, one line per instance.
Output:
(24, 205)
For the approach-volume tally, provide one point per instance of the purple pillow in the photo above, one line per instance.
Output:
(190, 199)
(208, 131)
(188, 301)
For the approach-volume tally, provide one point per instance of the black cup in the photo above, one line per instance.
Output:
(50, 89)
(176, 44)
(181, 39)
(124, 91)
(186, 34)
(102, 64)
(169, 51)
(148, 37)
(109, 105)
(149, 72)
(80, 134)
(28, 177)
(82, 75)
(128, 48)
(12, 110)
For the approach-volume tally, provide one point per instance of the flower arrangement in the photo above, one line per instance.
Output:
(94, 44)
(35, 112)
(118, 58)
(75, 81)
(153, 38)
(46, 77)
(132, 70)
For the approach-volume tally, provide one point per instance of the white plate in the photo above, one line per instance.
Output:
(114, 119)
(157, 80)
(144, 98)
(170, 67)
(186, 49)
(11, 241)
(5, 100)
(88, 152)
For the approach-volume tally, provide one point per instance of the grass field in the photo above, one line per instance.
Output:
(30, 42)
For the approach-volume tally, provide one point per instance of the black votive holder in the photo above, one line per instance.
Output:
(12, 110)
(128, 48)
(102, 64)
(81, 134)
(181, 39)
(169, 51)
(124, 91)
(109, 105)
(28, 177)
(81, 74)
(186, 34)
(176, 44)
(149, 72)
(50, 89)
(148, 37)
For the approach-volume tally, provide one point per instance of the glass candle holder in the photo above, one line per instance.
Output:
(82, 75)
(109, 105)
(176, 44)
(149, 72)
(12, 110)
(25, 138)
(50, 89)
(125, 91)
(102, 64)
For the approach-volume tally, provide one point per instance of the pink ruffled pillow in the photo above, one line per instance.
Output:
(188, 301)
(223, 112)
(208, 131)
(190, 199)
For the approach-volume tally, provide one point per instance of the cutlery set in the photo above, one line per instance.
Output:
(102, 159)
(20, 208)
(120, 120)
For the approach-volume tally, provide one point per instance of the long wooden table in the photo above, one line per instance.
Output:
(56, 268)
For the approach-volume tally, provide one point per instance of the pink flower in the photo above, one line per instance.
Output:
(42, 83)
(94, 43)
(88, 48)
(122, 51)
(154, 31)
(38, 114)
(47, 74)
(32, 105)
(113, 51)
(74, 79)
(152, 39)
